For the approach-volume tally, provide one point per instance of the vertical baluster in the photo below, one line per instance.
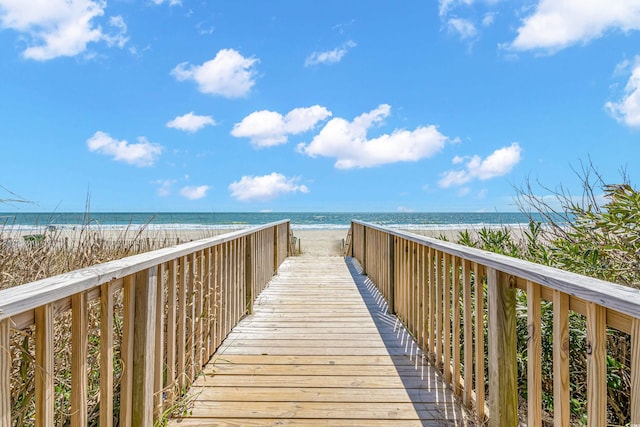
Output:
(468, 332)
(182, 325)
(143, 347)
(79, 364)
(447, 317)
(596, 364)
(5, 373)
(455, 318)
(126, 378)
(191, 318)
(534, 356)
(172, 326)
(560, 359)
(44, 366)
(106, 355)
(200, 299)
(158, 364)
(635, 372)
(432, 302)
(502, 361)
(479, 335)
(439, 307)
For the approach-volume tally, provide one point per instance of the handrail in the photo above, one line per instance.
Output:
(434, 288)
(178, 304)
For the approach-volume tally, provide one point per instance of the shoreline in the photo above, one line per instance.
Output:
(327, 241)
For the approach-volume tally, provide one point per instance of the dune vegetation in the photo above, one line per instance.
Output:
(598, 236)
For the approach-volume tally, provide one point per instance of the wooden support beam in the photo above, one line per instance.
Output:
(503, 368)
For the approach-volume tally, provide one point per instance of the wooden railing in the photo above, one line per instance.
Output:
(438, 291)
(162, 313)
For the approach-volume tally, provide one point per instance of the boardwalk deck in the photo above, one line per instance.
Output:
(320, 350)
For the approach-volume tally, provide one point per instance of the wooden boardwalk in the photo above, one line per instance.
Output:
(320, 349)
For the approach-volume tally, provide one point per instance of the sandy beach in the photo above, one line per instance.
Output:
(331, 241)
(310, 242)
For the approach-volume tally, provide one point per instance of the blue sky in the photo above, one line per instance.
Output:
(167, 105)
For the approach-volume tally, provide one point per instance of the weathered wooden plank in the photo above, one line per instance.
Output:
(349, 410)
(319, 394)
(315, 359)
(298, 422)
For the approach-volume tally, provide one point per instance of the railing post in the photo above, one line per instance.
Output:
(364, 250)
(503, 368)
(5, 374)
(635, 372)
(248, 274)
(44, 366)
(392, 274)
(143, 347)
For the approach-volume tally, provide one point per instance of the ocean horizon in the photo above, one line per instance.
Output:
(34, 221)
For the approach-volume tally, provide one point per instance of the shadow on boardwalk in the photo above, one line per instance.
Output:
(423, 384)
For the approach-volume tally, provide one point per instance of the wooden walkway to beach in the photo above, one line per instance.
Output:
(320, 349)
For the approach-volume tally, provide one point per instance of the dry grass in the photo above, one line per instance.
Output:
(23, 261)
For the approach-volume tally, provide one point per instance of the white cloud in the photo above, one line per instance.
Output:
(269, 128)
(57, 28)
(627, 110)
(348, 143)
(331, 56)
(498, 163)
(171, 2)
(141, 154)
(464, 28)
(194, 193)
(266, 187)
(488, 19)
(404, 209)
(191, 122)
(164, 186)
(229, 74)
(557, 24)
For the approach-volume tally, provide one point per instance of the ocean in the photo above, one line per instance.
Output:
(233, 220)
